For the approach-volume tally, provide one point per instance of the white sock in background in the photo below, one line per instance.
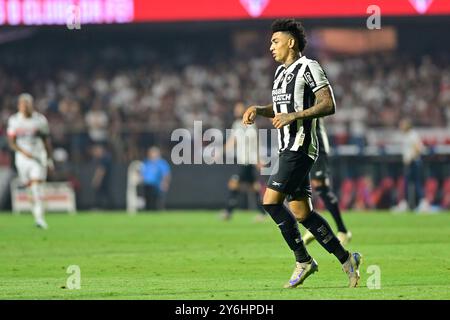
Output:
(38, 205)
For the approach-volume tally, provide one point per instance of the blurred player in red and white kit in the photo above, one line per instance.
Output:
(28, 135)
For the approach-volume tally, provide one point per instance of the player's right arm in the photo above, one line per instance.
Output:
(11, 132)
(167, 177)
(253, 111)
(418, 148)
(13, 145)
(99, 174)
(230, 143)
(44, 133)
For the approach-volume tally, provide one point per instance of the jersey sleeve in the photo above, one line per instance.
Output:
(315, 77)
(11, 129)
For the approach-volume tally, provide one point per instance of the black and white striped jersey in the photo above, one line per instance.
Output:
(293, 90)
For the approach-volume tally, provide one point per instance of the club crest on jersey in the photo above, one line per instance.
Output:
(289, 78)
(255, 7)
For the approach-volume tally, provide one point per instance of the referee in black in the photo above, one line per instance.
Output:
(301, 93)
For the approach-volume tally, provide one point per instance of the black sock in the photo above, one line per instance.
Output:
(332, 204)
(232, 200)
(259, 204)
(289, 229)
(321, 230)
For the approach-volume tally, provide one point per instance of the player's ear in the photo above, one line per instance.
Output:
(291, 43)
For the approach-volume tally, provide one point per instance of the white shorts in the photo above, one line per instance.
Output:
(30, 169)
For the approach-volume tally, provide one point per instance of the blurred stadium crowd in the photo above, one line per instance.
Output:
(129, 94)
(132, 97)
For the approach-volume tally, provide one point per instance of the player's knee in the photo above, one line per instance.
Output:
(301, 209)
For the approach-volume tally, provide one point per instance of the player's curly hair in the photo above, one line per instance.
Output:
(294, 28)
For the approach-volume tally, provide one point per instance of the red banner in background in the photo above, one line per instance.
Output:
(58, 12)
(168, 10)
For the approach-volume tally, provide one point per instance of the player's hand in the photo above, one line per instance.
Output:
(164, 187)
(283, 119)
(259, 166)
(249, 115)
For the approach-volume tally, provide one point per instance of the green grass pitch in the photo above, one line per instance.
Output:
(193, 255)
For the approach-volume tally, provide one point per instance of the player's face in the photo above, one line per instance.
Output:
(25, 107)
(404, 125)
(239, 110)
(153, 153)
(280, 45)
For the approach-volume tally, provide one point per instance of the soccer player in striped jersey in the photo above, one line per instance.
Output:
(320, 180)
(28, 135)
(301, 93)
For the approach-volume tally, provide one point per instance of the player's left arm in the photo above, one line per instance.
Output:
(419, 148)
(230, 143)
(49, 150)
(165, 184)
(45, 136)
(99, 174)
(167, 177)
